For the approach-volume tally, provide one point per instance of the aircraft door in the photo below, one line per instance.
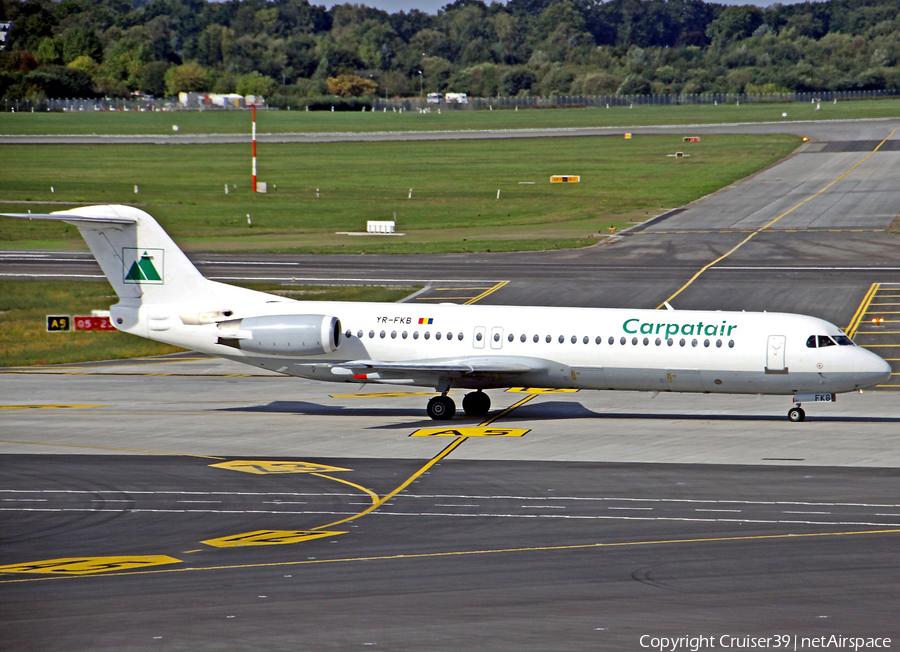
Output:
(497, 337)
(775, 362)
(478, 337)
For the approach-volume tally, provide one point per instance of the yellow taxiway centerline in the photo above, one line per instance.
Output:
(766, 226)
(462, 553)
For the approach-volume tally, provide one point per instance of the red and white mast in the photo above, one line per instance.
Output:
(253, 133)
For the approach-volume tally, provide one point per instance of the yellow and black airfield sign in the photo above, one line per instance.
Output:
(88, 565)
(268, 538)
(59, 323)
(565, 178)
(470, 432)
(540, 390)
(263, 467)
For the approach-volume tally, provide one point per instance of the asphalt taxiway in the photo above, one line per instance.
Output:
(190, 503)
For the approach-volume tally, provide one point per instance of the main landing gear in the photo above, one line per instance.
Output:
(796, 414)
(475, 404)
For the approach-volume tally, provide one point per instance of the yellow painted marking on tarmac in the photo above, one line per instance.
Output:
(486, 293)
(790, 230)
(47, 407)
(861, 310)
(188, 552)
(88, 565)
(381, 394)
(766, 226)
(108, 448)
(443, 298)
(458, 289)
(434, 460)
(470, 432)
(540, 390)
(365, 490)
(452, 446)
(271, 467)
(497, 551)
(502, 414)
(878, 332)
(268, 538)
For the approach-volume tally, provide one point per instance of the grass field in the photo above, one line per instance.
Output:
(205, 122)
(24, 306)
(454, 205)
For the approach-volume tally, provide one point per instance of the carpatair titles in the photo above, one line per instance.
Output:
(669, 329)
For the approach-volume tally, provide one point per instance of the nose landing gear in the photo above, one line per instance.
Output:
(796, 414)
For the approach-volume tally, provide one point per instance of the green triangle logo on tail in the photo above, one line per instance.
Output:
(143, 265)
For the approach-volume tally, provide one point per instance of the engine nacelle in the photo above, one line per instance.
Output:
(295, 335)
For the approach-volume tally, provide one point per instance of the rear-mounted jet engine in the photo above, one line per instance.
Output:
(295, 335)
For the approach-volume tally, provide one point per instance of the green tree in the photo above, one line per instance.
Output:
(516, 81)
(153, 78)
(49, 51)
(351, 86)
(81, 41)
(85, 63)
(256, 84)
(61, 82)
(186, 78)
(634, 84)
(734, 24)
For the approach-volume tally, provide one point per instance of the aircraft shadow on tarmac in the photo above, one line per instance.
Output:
(549, 410)
(568, 410)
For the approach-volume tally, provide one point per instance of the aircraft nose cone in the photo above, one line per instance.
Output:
(878, 371)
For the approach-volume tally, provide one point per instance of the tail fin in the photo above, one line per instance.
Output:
(140, 260)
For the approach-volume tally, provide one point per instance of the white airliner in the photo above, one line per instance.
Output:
(163, 297)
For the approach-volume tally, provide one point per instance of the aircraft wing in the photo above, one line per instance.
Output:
(451, 368)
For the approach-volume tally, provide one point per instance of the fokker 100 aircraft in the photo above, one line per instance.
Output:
(163, 297)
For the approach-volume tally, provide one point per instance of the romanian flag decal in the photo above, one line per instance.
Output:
(425, 320)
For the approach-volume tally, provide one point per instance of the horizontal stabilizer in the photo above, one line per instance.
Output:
(66, 216)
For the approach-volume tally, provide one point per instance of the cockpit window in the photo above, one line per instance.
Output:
(811, 342)
(824, 340)
(843, 340)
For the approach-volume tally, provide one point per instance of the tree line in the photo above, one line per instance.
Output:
(294, 52)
